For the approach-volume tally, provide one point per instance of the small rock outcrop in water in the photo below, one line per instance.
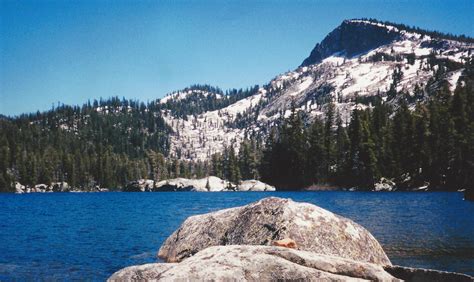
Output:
(260, 223)
(256, 263)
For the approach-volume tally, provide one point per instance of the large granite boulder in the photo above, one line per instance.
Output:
(313, 228)
(256, 263)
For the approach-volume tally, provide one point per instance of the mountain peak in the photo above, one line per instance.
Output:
(352, 37)
(357, 36)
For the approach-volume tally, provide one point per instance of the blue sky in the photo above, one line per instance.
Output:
(71, 51)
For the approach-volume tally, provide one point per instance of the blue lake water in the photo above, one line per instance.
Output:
(89, 236)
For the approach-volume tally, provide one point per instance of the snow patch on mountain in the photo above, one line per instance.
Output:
(454, 78)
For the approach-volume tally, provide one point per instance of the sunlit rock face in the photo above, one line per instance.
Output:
(260, 223)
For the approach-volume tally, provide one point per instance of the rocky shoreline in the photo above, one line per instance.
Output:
(55, 187)
(239, 244)
(207, 184)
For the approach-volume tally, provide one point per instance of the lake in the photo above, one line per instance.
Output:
(64, 236)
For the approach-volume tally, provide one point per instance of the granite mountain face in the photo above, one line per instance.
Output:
(357, 62)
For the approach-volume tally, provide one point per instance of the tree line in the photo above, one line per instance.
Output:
(426, 138)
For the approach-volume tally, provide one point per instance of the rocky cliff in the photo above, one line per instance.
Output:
(352, 37)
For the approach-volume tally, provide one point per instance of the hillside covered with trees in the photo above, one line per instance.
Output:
(402, 110)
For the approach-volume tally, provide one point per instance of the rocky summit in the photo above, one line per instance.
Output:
(313, 228)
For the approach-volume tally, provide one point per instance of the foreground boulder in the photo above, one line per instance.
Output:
(312, 228)
(256, 263)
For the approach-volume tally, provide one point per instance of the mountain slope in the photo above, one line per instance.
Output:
(359, 60)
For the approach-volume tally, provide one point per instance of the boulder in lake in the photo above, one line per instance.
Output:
(262, 222)
(256, 263)
(254, 185)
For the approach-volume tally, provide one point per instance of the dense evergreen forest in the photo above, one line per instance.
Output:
(104, 143)
(426, 138)
(431, 145)
(101, 143)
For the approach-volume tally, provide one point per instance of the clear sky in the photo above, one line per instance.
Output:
(70, 51)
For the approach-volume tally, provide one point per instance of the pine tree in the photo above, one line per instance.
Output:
(233, 166)
(316, 153)
(341, 152)
(329, 139)
(293, 150)
(369, 171)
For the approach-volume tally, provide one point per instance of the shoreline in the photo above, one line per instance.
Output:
(215, 184)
